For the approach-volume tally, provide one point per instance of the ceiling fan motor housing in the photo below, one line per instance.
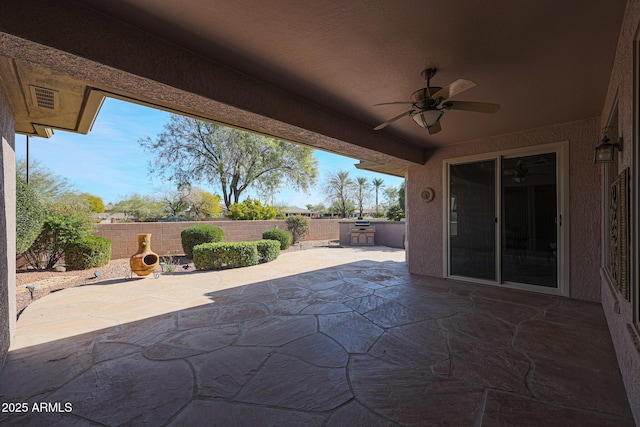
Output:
(421, 99)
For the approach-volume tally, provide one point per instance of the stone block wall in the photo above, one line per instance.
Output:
(166, 235)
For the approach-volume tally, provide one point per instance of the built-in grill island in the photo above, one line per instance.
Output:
(363, 234)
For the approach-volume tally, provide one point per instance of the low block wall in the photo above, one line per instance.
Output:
(166, 235)
(388, 233)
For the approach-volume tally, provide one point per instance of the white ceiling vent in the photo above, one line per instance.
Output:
(44, 98)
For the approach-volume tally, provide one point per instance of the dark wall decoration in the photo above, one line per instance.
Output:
(619, 233)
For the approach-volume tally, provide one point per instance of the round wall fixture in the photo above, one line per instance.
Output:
(427, 194)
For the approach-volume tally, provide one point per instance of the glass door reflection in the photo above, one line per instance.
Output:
(529, 226)
(472, 214)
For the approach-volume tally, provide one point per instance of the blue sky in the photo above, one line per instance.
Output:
(109, 162)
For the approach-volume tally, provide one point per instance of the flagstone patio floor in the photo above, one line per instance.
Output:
(323, 337)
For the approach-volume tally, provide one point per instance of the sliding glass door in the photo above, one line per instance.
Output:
(529, 228)
(472, 227)
(504, 218)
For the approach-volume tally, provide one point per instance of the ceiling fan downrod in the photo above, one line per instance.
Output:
(427, 75)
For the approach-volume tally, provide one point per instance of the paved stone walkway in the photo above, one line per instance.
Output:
(324, 337)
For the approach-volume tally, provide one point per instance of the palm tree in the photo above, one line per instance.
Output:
(378, 183)
(339, 189)
(362, 192)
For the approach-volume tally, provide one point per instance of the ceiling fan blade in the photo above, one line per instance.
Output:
(393, 103)
(435, 128)
(480, 107)
(453, 89)
(388, 122)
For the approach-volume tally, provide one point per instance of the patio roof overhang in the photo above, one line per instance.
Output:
(77, 88)
(314, 76)
(44, 100)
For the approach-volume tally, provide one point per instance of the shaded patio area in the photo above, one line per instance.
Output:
(324, 337)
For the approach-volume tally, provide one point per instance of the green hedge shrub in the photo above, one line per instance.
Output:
(216, 256)
(280, 235)
(199, 234)
(29, 215)
(268, 250)
(88, 252)
(299, 227)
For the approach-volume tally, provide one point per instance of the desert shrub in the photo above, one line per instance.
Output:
(268, 250)
(88, 252)
(395, 213)
(63, 224)
(299, 227)
(280, 235)
(251, 210)
(216, 256)
(29, 215)
(198, 234)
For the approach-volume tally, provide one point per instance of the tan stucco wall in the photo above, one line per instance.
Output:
(620, 313)
(166, 235)
(425, 220)
(7, 226)
(387, 233)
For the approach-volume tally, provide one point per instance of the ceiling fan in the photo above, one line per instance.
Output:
(429, 103)
(521, 170)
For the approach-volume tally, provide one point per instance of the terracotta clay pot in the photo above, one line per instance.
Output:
(145, 261)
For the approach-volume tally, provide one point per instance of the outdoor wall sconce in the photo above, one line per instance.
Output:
(605, 150)
(427, 194)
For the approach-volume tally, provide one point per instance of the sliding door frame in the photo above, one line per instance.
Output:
(562, 199)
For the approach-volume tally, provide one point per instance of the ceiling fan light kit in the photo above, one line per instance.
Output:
(427, 118)
(428, 104)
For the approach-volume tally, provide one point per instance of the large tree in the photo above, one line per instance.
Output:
(378, 183)
(142, 207)
(55, 188)
(390, 196)
(319, 208)
(43, 181)
(205, 204)
(362, 193)
(176, 201)
(340, 189)
(190, 201)
(190, 151)
(85, 201)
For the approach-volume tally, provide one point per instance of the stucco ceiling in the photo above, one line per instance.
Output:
(544, 61)
(311, 71)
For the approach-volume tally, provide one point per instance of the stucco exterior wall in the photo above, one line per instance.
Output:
(387, 233)
(623, 322)
(7, 226)
(425, 220)
(166, 235)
